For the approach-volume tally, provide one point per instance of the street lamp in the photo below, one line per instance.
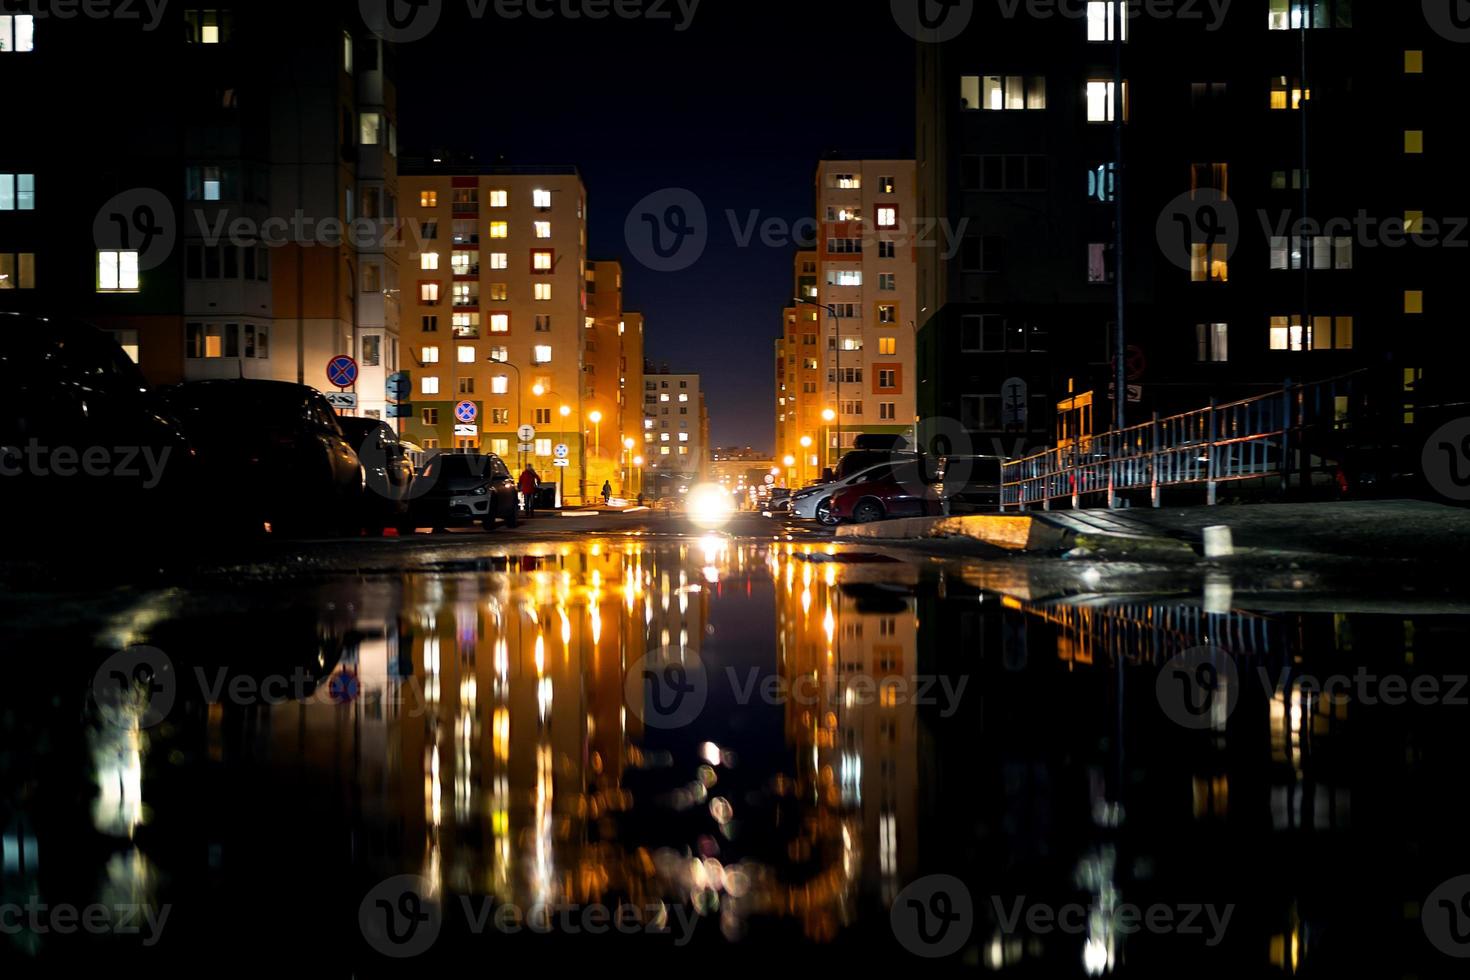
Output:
(806, 443)
(595, 417)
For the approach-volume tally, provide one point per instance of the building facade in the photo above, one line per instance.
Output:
(250, 227)
(495, 314)
(848, 342)
(676, 432)
(1283, 215)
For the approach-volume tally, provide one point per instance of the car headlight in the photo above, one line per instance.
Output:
(481, 491)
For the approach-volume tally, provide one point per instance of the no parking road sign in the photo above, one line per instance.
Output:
(466, 412)
(342, 371)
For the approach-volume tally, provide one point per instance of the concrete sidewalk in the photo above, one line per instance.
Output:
(1399, 530)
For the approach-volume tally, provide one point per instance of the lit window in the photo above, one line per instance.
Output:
(372, 128)
(429, 262)
(845, 182)
(500, 323)
(429, 292)
(543, 229)
(499, 260)
(430, 355)
(117, 272)
(1414, 62)
(541, 198)
(466, 354)
(17, 270)
(683, 437)
(683, 398)
(1213, 342)
(1413, 141)
(1285, 94)
(205, 26)
(499, 229)
(17, 33)
(886, 185)
(347, 52)
(500, 384)
(543, 292)
(1100, 101)
(17, 192)
(541, 260)
(499, 199)
(1414, 301)
(887, 313)
(996, 93)
(543, 447)
(1209, 263)
(888, 346)
(499, 292)
(541, 354)
(429, 386)
(1288, 333)
(428, 199)
(501, 354)
(1102, 21)
(887, 217)
(1413, 222)
(664, 451)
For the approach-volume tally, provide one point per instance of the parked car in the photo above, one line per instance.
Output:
(83, 441)
(970, 484)
(389, 472)
(272, 452)
(815, 503)
(900, 491)
(461, 489)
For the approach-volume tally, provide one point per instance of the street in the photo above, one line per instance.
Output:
(620, 732)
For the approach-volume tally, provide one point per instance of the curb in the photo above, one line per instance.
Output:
(1007, 532)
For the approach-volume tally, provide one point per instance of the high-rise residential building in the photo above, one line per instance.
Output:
(849, 332)
(676, 431)
(243, 223)
(1282, 189)
(614, 347)
(496, 313)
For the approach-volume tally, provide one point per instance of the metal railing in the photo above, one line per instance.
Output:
(1242, 440)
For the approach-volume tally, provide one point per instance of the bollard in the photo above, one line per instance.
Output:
(1219, 543)
(1219, 594)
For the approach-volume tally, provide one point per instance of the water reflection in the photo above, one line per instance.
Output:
(869, 723)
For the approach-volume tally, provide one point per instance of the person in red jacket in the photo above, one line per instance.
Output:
(530, 481)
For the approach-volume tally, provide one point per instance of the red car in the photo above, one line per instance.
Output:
(895, 491)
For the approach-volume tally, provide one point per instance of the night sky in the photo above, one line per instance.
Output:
(739, 108)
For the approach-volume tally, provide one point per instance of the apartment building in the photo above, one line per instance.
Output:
(847, 352)
(676, 431)
(614, 347)
(1283, 192)
(496, 313)
(248, 228)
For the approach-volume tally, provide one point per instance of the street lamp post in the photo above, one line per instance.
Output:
(541, 391)
(520, 416)
(806, 445)
(837, 343)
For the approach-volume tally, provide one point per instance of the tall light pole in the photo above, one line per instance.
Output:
(806, 445)
(541, 391)
(520, 417)
(837, 343)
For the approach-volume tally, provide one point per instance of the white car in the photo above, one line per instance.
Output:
(814, 503)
